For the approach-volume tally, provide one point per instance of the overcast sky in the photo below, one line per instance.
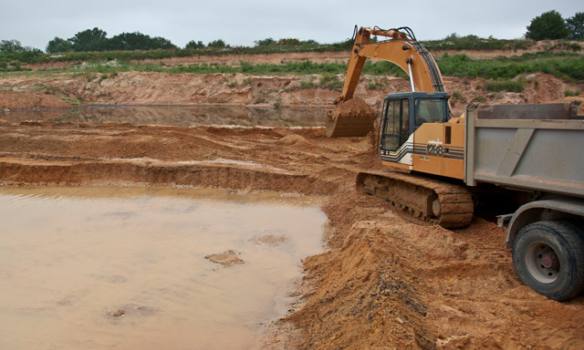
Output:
(35, 22)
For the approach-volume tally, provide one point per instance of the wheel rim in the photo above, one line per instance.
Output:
(542, 262)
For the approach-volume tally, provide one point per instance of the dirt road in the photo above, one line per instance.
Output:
(383, 282)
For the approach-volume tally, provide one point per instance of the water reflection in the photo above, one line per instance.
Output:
(82, 270)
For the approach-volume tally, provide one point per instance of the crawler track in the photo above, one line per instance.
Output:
(433, 201)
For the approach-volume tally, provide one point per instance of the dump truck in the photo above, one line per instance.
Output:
(439, 167)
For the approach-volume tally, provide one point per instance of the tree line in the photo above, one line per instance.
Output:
(548, 25)
(96, 40)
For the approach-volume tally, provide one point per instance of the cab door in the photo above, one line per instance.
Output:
(396, 122)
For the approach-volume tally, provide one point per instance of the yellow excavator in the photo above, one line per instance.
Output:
(418, 132)
(435, 162)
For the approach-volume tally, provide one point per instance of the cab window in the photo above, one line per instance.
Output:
(390, 136)
(430, 111)
(396, 127)
(405, 120)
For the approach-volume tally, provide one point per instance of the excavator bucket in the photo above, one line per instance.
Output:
(353, 117)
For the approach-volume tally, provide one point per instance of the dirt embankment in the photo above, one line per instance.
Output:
(29, 100)
(238, 89)
(383, 282)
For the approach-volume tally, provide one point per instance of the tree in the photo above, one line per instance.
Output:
(193, 45)
(548, 25)
(59, 45)
(11, 46)
(138, 41)
(217, 44)
(90, 40)
(576, 26)
(12, 50)
(265, 42)
(289, 42)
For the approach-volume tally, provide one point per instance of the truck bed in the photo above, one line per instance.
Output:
(532, 147)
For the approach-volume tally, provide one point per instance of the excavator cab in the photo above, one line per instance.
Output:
(403, 113)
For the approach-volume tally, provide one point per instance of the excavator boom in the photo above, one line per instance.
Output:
(400, 47)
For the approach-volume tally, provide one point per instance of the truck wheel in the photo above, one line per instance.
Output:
(548, 256)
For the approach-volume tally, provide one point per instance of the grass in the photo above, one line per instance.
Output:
(567, 66)
(571, 93)
(452, 42)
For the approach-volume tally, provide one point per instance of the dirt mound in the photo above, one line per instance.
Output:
(353, 108)
(20, 100)
(386, 281)
(544, 88)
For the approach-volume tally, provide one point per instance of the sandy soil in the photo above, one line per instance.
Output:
(133, 88)
(383, 282)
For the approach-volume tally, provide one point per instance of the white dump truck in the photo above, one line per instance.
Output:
(536, 151)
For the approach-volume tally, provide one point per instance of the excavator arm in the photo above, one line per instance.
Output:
(353, 117)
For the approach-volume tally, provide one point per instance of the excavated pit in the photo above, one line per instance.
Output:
(381, 282)
(134, 268)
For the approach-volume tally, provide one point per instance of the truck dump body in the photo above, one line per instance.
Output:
(533, 147)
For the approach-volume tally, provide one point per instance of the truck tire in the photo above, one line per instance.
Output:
(548, 256)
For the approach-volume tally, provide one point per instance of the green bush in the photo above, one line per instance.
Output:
(473, 42)
(567, 66)
(569, 93)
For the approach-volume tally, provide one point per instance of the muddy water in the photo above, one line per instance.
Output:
(179, 115)
(126, 269)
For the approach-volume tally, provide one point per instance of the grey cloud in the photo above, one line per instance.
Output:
(35, 22)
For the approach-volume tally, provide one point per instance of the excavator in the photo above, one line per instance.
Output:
(418, 135)
(436, 163)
